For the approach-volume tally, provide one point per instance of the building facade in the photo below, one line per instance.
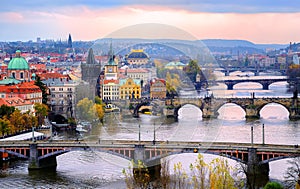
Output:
(130, 89)
(158, 89)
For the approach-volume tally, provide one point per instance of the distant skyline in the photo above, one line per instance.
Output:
(259, 21)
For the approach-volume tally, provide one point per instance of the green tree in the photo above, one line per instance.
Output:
(273, 185)
(5, 126)
(41, 110)
(6, 110)
(43, 88)
(192, 69)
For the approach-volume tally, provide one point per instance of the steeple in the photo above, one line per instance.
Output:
(70, 41)
(111, 60)
(91, 57)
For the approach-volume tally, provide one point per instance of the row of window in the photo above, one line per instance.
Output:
(61, 95)
(62, 89)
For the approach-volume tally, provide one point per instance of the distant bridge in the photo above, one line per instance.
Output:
(255, 70)
(264, 81)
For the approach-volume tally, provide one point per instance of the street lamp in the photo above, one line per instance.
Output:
(263, 134)
(252, 136)
(139, 134)
(154, 133)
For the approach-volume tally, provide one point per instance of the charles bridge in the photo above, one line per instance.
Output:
(209, 106)
(252, 106)
(42, 154)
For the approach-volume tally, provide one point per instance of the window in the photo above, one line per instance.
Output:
(21, 75)
(60, 89)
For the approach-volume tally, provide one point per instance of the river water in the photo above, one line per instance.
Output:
(99, 170)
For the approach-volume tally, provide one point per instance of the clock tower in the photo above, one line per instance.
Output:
(111, 68)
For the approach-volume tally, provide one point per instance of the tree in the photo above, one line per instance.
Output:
(41, 110)
(172, 84)
(293, 73)
(6, 110)
(43, 88)
(292, 174)
(5, 126)
(86, 110)
(99, 111)
(273, 185)
(192, 69)
(220, 174)
(30, 120)
(16, 121)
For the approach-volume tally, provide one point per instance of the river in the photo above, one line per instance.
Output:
(100, 170)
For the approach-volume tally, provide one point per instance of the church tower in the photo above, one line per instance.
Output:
(111, 68)
(70, 45)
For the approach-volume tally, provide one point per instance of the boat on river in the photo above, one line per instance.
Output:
(80, 129)
(111, 108)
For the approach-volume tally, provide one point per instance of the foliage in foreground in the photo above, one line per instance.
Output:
(292, 174)
(273, 185)
(217, 174)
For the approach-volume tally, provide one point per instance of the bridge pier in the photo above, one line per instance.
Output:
(145, 171)
(208, 113)
(257, 173)
(36, 163)
(252, 113)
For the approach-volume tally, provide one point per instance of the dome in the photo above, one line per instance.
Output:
(137, 54)
(18, 63)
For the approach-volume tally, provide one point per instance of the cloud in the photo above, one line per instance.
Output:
(86, 23)
(217, 6)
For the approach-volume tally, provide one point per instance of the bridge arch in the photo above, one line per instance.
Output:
(278, 158)
(15, 153)
(177, 108)
(264, 105)
(153, 159)
(138, 106)
(254, 85)
(221, 109)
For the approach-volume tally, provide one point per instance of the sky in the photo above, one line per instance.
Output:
(259, 21)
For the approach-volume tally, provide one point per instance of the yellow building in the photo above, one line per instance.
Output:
(129, 88)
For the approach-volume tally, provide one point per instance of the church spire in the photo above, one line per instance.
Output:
(111, 55)
(70, 41)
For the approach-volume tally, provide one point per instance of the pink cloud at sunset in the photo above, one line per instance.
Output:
(85, 23)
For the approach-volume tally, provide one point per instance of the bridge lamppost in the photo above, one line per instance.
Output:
(263, 134)
(32, 133)
(154, 134)
(139, 134)
(252, 136)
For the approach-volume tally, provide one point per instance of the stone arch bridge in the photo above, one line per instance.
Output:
(252, 106)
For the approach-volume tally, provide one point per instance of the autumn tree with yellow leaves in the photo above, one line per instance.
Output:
(88, 110)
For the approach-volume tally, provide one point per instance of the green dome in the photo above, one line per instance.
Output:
(18, 63)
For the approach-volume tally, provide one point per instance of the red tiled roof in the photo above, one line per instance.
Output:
(15, 101)
(111, 81)
(50, 75)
